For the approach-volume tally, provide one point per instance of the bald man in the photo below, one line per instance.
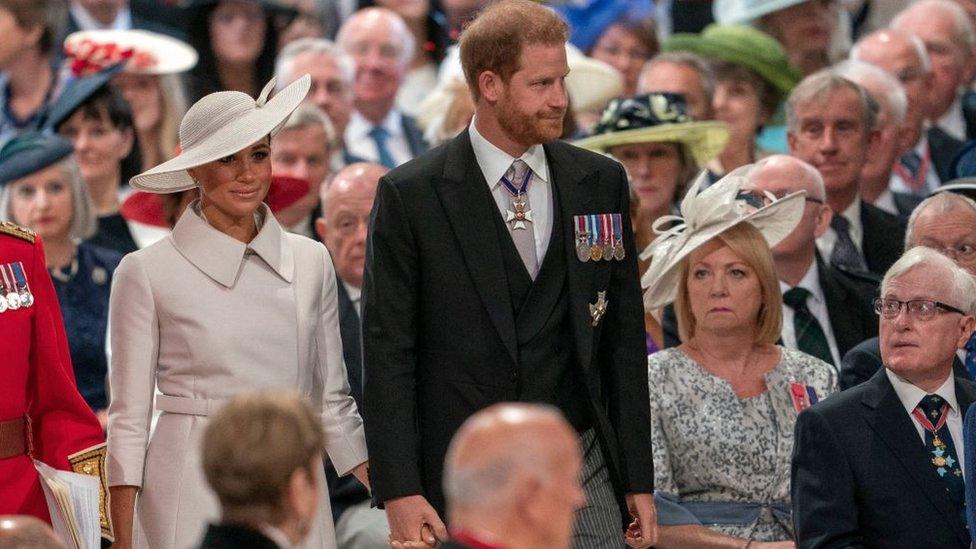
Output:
(826, 311)
(26, 532)
(512, 479)
(346, 202)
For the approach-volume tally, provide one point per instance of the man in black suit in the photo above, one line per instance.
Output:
(878, 465)
(382, 48)
(830, 125)
(475, 291)
(346, 203)
(117, 14)
(512, 479)
(947, 222)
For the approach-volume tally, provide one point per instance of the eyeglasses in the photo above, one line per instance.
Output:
(922, 309)
(759, 199)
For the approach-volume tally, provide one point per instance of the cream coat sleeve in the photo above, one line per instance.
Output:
(345, 439)
(135, 345)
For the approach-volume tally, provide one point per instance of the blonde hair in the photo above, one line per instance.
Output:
(750, 245)
(251, 448)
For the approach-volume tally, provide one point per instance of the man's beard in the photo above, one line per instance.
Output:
(525, 129)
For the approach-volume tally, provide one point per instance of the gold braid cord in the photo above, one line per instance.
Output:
(91, 461)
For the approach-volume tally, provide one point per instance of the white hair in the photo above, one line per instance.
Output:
(869, 76)
(706, 76)
(314, 46)
(309, 115)
(963, 283)
(945, 202)
(962, 27)
(920, 52)
(399, 31)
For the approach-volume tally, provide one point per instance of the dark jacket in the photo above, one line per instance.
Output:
(232, 536)
(861, 362)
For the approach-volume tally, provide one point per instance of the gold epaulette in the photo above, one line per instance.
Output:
(17, 231)
(91, 461)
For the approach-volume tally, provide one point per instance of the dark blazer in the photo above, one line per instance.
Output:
(848, 297)
(883, 238)
(346, 491)
(414, 135)
(440, 339)
(861, 362)
(231, 536)
(906, 203)
(861, 476)
(139, 21)
(943, 149)
(969, 436)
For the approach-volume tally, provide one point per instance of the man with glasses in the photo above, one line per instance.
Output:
(879, 465)
(945, 222)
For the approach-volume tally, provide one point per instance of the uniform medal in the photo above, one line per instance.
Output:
(26, 297)
(596, 250)
(582, 239)
(605, 240)
(618, 238)
(10, 288)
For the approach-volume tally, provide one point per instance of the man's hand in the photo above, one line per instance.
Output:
(641, 533)
(414, 524)
(361, 472)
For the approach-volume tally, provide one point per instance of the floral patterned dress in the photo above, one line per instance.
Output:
(721, 461)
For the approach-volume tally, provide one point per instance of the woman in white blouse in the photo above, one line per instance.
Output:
(228, 303)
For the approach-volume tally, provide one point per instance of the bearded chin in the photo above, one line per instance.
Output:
(522, 128)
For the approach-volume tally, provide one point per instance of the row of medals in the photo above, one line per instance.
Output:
(605, 250)
(14, 298)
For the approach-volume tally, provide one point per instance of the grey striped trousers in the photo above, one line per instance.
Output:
(597, 524)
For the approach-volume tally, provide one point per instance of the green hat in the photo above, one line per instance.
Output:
(741, 45)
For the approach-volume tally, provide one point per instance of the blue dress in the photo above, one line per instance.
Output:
(83, 291)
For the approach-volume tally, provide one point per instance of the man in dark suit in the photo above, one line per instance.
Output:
(117, 14)
(878, 465)
(476, 292)
(512, 479)
(346, 203)
(947, 222)
(382, 48)
(830, 125)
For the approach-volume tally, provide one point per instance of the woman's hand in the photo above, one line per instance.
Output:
(123, 507)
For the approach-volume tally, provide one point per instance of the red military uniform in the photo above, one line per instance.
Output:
(37, 382)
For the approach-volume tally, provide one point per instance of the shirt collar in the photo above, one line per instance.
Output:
(123, 20)
(359, 127)
(911, 395)
(494, 162)
(276, 535)
(810, 282)
(853, 215)
(353, 292)
(220, 256)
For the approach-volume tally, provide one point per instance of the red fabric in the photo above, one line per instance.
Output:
(472, 541)
(37, 380)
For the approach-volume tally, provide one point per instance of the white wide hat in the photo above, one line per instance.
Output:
(705, 215)
(219, 125)
(746, 11)
(147, 52)
(591, 83)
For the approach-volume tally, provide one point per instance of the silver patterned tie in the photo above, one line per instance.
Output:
(519, 216)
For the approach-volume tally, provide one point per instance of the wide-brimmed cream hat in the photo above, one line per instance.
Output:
(705, 215)
(144, 52)
(219, 125)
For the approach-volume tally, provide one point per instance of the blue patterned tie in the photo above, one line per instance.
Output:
(941, 451)
(845, 253)
(380, 136)
(971, 356)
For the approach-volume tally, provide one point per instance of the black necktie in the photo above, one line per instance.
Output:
(810, 336)
(845, 253)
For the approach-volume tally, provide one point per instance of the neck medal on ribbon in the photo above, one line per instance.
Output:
(520, 215)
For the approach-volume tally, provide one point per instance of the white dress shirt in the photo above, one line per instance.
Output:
(817, 305)
(355, 295)
(494, 162)
(886, 202)
(910, 396)
(952, 122)
(277, 536)
(123, 20)
(898, 184)
(359, 143)
(853, 214)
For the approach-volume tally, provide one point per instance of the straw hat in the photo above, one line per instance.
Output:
(656, 117)
(705, 215)
(745, 11)
(221, 124)
(741, 45)
(143, 51)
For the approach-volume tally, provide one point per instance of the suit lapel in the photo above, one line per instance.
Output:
(895, 428)
(842, 323)
(465, 197)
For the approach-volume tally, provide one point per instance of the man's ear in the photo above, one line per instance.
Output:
(824, 216)
(321, 229)
(490, 85)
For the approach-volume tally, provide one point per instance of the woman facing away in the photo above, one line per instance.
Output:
(228, 303)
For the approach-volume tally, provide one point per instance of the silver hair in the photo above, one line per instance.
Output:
(962, 26)
(313, 46)
(706, 76)
(963, 283)
(920, 52)
(400, 31)
(309, 115)
(820, 191)
(83, 220)
(893, 97)
(945, 202)
(818, 87)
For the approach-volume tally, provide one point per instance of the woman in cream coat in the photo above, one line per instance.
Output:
(228, 303)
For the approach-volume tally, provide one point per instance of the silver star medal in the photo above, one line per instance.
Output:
(520, 215)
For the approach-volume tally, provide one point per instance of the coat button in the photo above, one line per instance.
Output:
(515, 377)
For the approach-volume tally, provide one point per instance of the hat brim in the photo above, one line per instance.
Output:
(591, 84)
(172, 56)
(732, 52)
(76, 92)
(34, 159)
(704, 140)
(171, 176)
(728, 12)
(775, 222)
(965, 186)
